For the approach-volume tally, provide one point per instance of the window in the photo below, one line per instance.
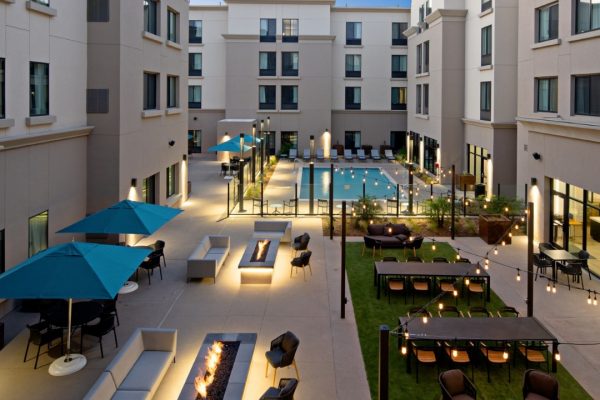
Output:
(398, 141)
(398, 98)
(289, 97)
(2, 90)
(587, 15)
(353, 67)
(98, 11)
(38, 233)
(290, 30)
(289, 140)
(151, 91)
(426, 99)
(195, 96)
(426, 57)
(547, 23)
(266, 63)
(195, 64)
(151, 16)
(266, 97)
(172, 26)
(486, 45)
(485, 101)
(546, 94)
(587, 95)
(194, 141)
(267, 29)
(38, 89)
(42, 2)
(149, 189)
(289, 63)
(172, 186)
(418, 102)
(486, 5)
(195, 31)
(353, 33)
(352, 98)
(476, 162)
(398, 38)
(2, 252)
(419, 59)
(172, 91)
(430, 147)
(399, 66)
(352, 140)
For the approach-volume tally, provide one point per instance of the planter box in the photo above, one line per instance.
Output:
(492, 228)
(465, 179)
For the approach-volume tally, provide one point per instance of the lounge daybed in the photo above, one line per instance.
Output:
(281, 230)
(208, 258)
(389, 235)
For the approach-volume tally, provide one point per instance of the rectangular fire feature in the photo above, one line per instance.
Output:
(258, 261)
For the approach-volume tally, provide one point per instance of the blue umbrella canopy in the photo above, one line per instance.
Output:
(72, 271)
(247, 139)
(126, 216)
(229, 145)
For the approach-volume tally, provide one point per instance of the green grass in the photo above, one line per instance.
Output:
(371, 313)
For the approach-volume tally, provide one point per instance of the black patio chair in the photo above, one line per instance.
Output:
(538, 385)
(421, 285)
(256, 203)
(285, 390)
(460, 353)
(150, 265)
(541, 263)
(372, 244)
(396, 285)
(302, 261)
(450, 311)
(584, 256)
(439, 260)
(300, 243)
(426, 352)
(110, 307)
(479, 312)
(99, 330)
(414, 259)
(573, 270)
(496, 354)
(534, 352)
(463, 260)
(224, 169)
(290, 205)
(419, 311)
(41, 334)
(507, 311)
(455, 385)
(282, 353)
(475, 286)
(322, 206)
(159, 248)
(414, 244)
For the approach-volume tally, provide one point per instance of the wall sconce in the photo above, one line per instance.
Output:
(533, 182)
(537, 156)
(489, 156)
(133, 182)
(171, 143)
(185, 157)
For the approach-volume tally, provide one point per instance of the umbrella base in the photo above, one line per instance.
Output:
(128, 287)
(62, 367)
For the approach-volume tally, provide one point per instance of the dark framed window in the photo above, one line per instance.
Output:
(398, 141)
(353, 65)
(290, 30)
(268, 27)
(42, 2)
(399, 66)
(476, 162)
(398, 98)
(2, 251)
(289, 97)
(415, 151)
(426, 56)
(418, 98)
(547, 23)
(425, 99)
(194, 96)
(2, 90)
(353, 33)
(266, 97)
(195, 64)
(486, 45)
(39, 86)
(172, 186)
(289, 63)
(587, 15)
(398, 38)
(172, 91)
(172, 25)
(267, 63)
(546, 90)
(486, 5)
(38, 233)
(353, 98)
(98, 11)
(195, 34)
(419, 58)
(352, 140)
(194, 141)
(430, 147)
(151, 16)
(485, 101)
(149, 189)
(587, 95)
(289, 140)
(151, 82)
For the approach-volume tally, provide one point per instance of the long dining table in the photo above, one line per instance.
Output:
(384, 269)
(556, 256)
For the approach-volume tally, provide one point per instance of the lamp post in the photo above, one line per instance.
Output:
(312, 147)
(343, 278)
(331, 202)
(453, 214)
(311, 188)
(253, 159)
(411, 180)
(530, 259)
(241, 175)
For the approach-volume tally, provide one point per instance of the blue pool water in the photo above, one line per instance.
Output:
(347, 183)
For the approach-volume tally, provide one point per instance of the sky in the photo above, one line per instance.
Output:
(341, 3)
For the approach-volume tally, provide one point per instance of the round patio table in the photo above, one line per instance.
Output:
(82, 313)
(276, 207)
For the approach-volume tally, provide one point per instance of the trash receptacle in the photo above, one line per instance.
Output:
(479, 190)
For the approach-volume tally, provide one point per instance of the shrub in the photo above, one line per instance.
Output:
(437, 210)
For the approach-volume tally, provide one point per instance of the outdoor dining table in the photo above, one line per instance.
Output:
(383, 269)
(558, 256)
(83, 313)
(511, 329)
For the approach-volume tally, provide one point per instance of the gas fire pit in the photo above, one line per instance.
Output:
(258, 261)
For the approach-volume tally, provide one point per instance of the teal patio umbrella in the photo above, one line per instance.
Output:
(231, 146)
(247, 139)
(126, 217)
(72, 271)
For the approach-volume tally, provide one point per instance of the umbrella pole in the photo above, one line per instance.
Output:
(68, 353)
(69, 363)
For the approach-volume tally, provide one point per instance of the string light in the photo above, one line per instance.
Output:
(495, 251)
(505, 355)
(504, 243)
(467, 281)
(403, 350)
(441, 306)
(455, 293)
(589, 300)
(433, 246)
(486, 264)
(553, 287)
(454, 353)
(595, 300)
(477, 270)
(548, 288)
(518, 275)
(425, 319)
(557, 356)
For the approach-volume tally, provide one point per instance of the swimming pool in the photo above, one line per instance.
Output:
(348, 183)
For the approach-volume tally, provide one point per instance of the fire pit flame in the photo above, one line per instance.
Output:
(201, 383)
(262, 247)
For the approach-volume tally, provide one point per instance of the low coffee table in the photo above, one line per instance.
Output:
(258, 261)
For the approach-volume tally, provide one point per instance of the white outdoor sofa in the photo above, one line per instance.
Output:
(281, 230)
(138, 368)
(208, 258)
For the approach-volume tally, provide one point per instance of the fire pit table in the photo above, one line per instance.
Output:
(258, 261)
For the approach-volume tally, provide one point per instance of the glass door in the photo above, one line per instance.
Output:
(38, 233)
(149, 189)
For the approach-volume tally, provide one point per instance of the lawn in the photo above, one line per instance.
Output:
(371, 313)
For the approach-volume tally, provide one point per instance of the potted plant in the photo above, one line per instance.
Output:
(493, 228)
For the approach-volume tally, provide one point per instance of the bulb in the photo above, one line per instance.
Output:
(509, 234)
(503, 243)
(467, 281)
(458, 256)
(403, 350)
(595, 301)
(553, 289)
(548, 287)
(589, 300)
(371, 222)
(433, 247)
(477, 271)
(517, 227)
(455, 293)
(454, 353)
(522, 219)
(505, 355)
(557, 356)
(485, 206)
(518, 276)
(425, 319)
(495, 251)
(441, 306)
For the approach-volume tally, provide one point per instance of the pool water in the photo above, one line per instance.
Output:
(348, 183)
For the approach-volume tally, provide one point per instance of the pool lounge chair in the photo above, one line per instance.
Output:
(360, 153)
(348, 154)
(320, 155)
(389, 155)
(333, 155)
(293, 154)
(375, 155)
(306, 155)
